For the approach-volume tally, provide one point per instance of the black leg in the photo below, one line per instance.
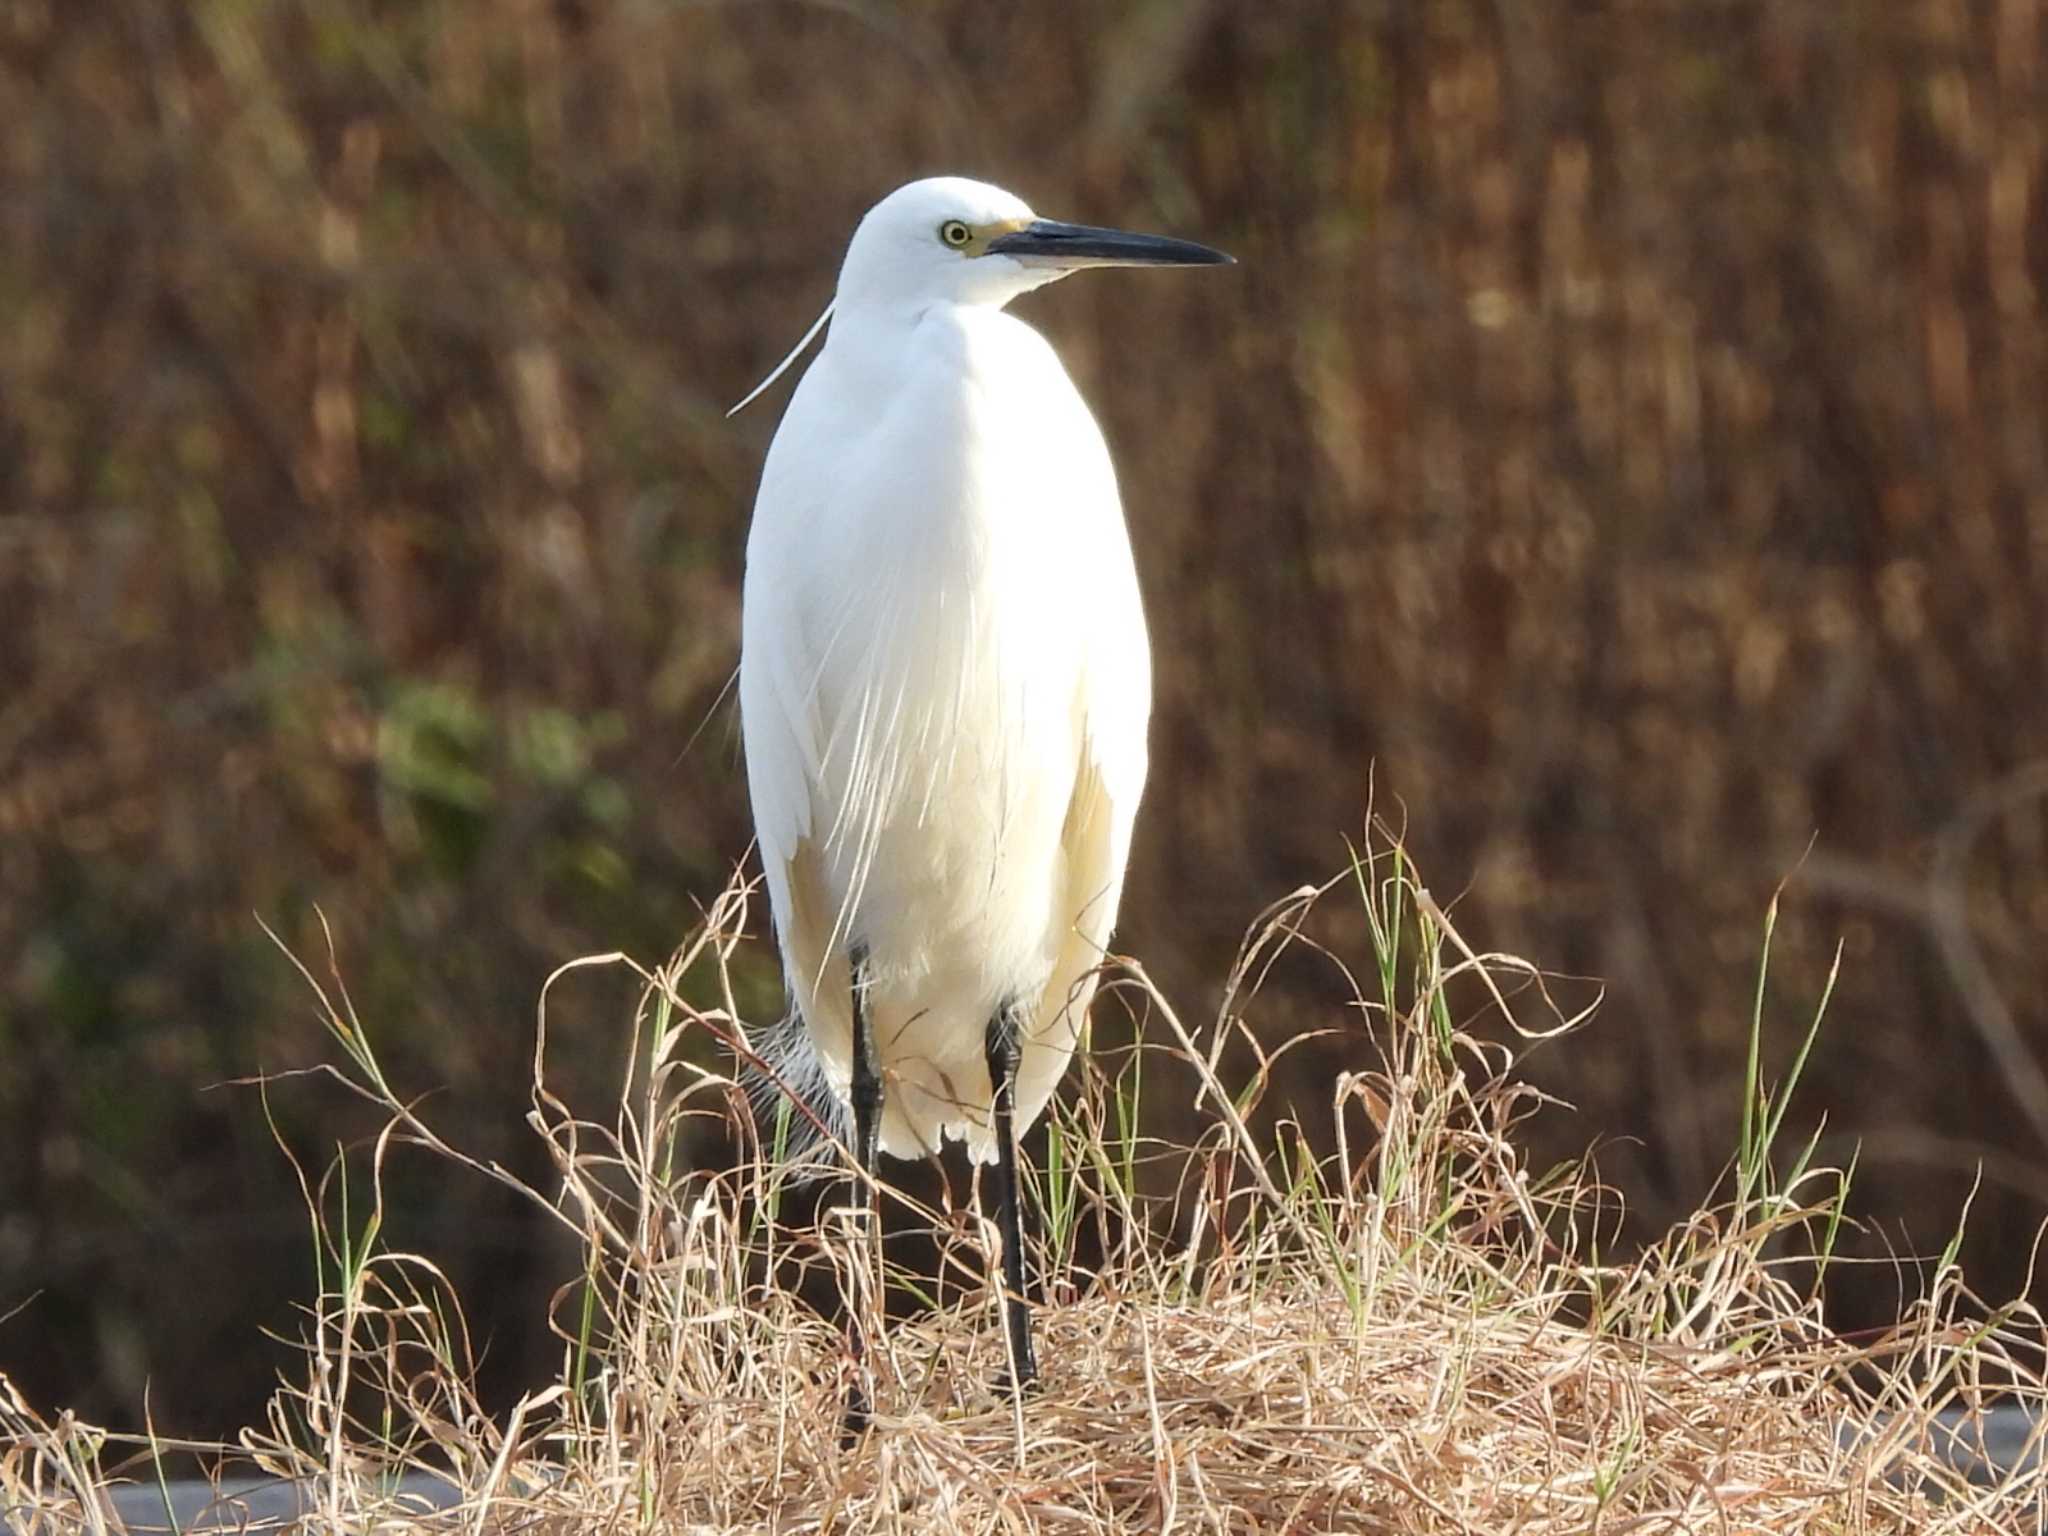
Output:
(867, 1130)
(1003, 1046)
(867, 1072)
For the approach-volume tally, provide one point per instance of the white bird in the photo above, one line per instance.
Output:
(944, 690)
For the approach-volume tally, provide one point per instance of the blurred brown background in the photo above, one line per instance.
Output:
(1622, 443)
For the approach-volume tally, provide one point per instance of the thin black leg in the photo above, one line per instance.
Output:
(867, 1130)
(867, 1072)
(1003, 1046)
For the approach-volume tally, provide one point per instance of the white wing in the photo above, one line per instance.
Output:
(1114, 705)
(782, 729)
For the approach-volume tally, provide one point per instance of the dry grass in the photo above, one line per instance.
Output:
(1413, 1334)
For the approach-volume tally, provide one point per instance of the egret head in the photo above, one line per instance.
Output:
(967, 242)
(948, 239)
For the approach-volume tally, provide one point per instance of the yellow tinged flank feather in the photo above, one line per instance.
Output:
(810, 932)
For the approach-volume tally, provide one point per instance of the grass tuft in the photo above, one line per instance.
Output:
(1408, 1333)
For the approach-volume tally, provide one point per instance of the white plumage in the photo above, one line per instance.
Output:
(944, 677)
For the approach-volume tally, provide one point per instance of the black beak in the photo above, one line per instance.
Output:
(1052, 243)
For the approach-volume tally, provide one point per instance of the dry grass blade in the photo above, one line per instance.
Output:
(1410, 1337)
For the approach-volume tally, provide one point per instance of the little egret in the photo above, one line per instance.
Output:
(944, 690)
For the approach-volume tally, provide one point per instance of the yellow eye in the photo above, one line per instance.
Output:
(955, 234)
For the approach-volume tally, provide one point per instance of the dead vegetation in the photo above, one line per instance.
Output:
(1418, 1334)
(1624, 433)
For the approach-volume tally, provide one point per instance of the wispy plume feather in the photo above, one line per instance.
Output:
(782, 367)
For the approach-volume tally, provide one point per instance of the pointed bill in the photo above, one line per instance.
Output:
(1048, 242)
